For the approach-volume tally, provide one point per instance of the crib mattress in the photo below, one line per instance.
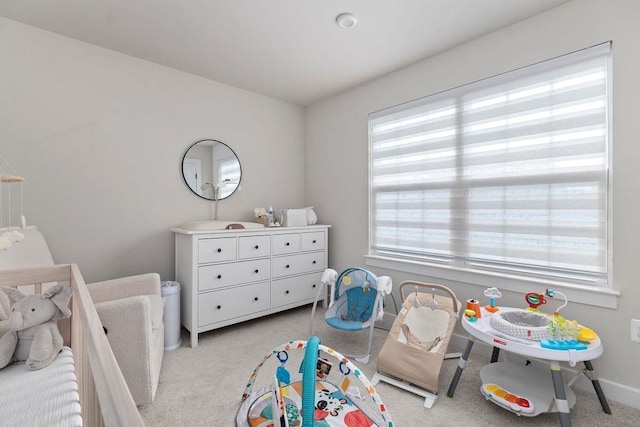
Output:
(45, 397)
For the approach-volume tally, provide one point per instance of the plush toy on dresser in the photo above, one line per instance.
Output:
(33, 334)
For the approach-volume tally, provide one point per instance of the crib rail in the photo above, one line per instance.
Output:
(104, 396)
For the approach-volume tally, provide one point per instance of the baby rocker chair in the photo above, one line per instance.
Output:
(412, 356)
(356, 301)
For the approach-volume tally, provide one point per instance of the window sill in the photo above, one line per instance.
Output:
(599, 297)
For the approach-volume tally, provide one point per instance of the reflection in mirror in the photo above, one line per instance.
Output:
(211, 169)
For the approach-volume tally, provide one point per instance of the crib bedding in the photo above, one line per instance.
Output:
(45, 397)
(51, 396)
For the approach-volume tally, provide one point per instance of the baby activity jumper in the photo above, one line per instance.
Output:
(550, 338)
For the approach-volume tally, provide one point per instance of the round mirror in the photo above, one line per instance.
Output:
(211, 169)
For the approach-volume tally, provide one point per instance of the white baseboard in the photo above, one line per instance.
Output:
(613, 391)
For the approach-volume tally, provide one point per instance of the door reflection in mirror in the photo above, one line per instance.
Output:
(211, 169)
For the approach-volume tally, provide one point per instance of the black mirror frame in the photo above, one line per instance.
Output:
(185, 179)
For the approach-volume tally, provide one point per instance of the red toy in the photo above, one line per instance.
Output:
(534, 299)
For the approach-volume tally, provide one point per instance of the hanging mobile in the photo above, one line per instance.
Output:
(11, 178)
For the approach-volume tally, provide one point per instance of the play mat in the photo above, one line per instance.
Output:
(333, 408)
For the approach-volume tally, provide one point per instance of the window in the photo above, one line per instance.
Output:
(509, 174)
(229, 174)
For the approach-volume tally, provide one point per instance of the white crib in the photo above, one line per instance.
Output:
(84, 381)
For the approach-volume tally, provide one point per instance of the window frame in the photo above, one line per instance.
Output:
(597, 295)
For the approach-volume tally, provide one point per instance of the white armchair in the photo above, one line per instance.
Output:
(131, 309)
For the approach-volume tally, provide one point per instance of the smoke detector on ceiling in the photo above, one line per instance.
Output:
(347, 20)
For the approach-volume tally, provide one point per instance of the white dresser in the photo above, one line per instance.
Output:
(229, 276)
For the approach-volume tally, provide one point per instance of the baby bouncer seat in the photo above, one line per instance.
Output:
(356, 301)
(412, 356)
(332, 392)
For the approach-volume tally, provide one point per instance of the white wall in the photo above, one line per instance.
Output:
(100, 137)
(337, 152)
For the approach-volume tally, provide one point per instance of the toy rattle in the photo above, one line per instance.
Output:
(492, 294)
(534, 299)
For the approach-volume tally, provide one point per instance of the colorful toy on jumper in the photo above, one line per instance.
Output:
(314, 400)
(553, 331)
(472, 310)
(493, 294)
(535, 299)
(510, 401)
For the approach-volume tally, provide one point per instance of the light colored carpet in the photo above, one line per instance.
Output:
(203, 386)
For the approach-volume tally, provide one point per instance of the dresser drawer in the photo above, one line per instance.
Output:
(254, 247)
(222, 275)
(216, 250)
(286, 243)
(312, 241)
(295, 289)
(229, 303)
(298, 264)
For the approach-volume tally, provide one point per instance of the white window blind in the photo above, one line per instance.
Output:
(509, 173)
(229, 174)
(229, 169)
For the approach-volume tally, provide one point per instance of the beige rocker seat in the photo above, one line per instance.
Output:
(412, 356)
(131, 309)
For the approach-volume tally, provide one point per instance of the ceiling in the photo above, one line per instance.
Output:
(286, 49)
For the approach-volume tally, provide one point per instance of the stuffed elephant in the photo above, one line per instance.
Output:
(33, 333)
(5, 307)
